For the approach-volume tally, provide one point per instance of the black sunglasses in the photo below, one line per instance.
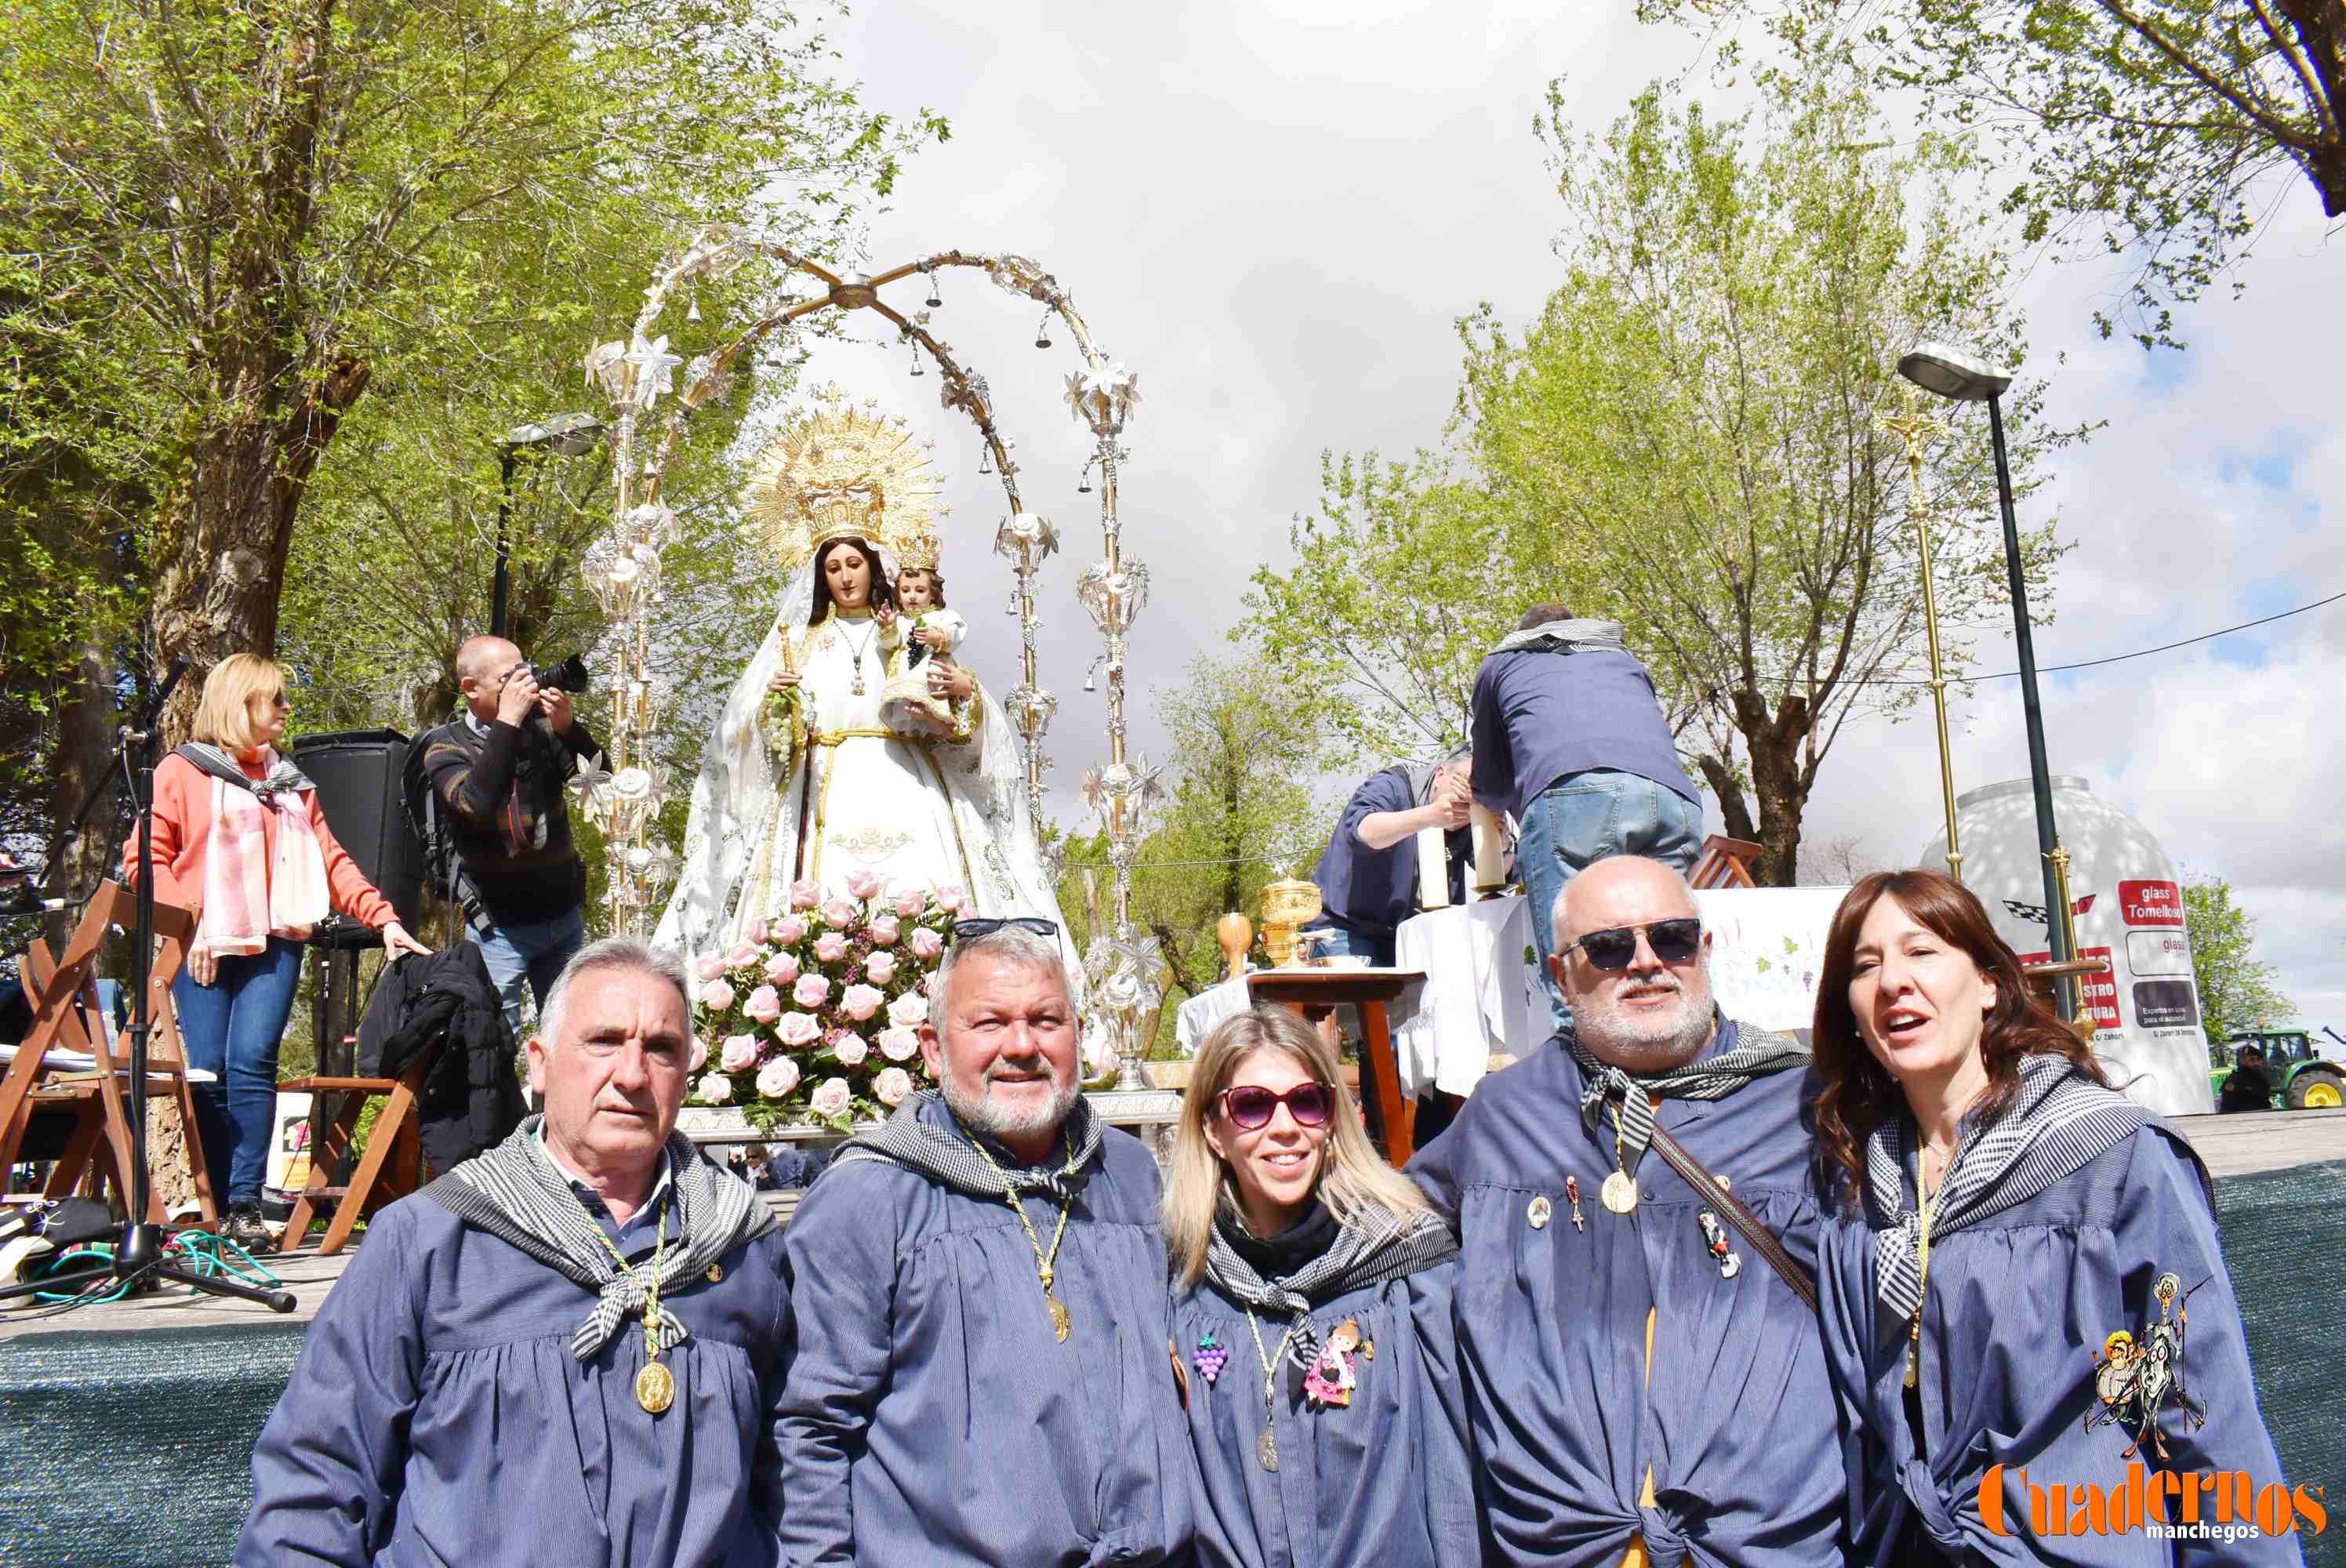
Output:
(971, 930)
(1250, 1106)
(1673, 941)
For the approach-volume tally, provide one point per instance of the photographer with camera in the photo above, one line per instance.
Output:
(496, 775)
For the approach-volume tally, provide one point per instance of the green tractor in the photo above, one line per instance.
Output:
(2276, 1069)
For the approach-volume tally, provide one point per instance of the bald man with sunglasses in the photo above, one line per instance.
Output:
(1643, 1387)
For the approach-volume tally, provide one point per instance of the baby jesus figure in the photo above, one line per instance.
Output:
(932, 633)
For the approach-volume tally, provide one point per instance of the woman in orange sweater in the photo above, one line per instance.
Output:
(239, 838)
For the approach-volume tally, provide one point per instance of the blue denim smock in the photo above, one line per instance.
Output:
(1385, 1480)
(930, 1417)
(437, 1416)
(1736, 1422)
(2016, 1311)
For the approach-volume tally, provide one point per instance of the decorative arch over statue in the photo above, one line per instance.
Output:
(637, 372)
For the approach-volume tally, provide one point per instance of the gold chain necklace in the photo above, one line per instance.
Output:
(655, 1385)
(1266, 1447)
(1046, 1263)
(1927, 1203)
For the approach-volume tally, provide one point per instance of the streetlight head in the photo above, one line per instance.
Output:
(567, 435)
(1952, 374)
(574, 434)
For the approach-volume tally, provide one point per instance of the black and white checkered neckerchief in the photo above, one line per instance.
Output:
(2061, 1120)
(1757, 1054)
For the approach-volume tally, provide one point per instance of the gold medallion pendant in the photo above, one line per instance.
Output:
(1060, 1324)
(1619, 1193)
(1266, 1448)
(656, 1389)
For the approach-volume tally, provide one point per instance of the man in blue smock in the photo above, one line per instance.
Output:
(1570, 741)
(564, 1351)
(1642, 1387)
(1367, 874)
(979, 1367)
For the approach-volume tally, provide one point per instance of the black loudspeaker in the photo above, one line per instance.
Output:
(357, 772)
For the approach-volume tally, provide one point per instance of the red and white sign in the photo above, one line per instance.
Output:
(2101, 991)
(2151, 903)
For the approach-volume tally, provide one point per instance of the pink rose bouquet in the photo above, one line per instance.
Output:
(813, 1015)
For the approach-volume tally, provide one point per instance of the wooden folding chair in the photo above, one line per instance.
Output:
(1726, 862)
(98, 1098)
(392, 1167)
(56, 1021)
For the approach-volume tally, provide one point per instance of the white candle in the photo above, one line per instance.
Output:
(1490, 875)
(1433, 870)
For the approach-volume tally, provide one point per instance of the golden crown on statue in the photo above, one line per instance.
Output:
(838, 472)
(915, 545)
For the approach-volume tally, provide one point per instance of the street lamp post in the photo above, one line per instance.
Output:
(566, 435)
(1965, 378)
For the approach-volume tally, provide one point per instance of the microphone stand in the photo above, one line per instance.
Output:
(139, 1258)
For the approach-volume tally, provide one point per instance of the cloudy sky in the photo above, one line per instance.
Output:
(1274, 213)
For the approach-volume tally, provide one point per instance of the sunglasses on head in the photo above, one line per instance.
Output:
(1250, 1106)
(971, 930)
(1673, 941)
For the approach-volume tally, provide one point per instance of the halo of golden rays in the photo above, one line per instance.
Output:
(834, 470)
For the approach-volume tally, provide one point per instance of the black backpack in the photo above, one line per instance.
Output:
(421, 804)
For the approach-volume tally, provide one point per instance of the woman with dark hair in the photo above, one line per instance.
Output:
(1312, 1296)
(2024, 1289)
(848, 574)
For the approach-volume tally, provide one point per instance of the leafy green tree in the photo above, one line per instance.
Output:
(1399, 589)
(290, 201)
(2142, 127)
(1687, 439)
(2237, 989)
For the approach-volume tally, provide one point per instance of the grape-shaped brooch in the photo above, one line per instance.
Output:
(1209, 1358)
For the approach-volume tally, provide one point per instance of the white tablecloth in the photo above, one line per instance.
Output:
(1482, 997)
(1199, 1015)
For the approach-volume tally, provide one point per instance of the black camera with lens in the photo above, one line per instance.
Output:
(570, 676)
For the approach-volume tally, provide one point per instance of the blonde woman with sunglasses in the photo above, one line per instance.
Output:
(1311, 1294)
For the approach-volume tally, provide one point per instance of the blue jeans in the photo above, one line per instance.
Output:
(1585, 817)
(1377, 950)
(231, 1029)
(535, 952)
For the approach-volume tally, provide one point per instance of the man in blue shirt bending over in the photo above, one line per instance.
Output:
(1570, 739)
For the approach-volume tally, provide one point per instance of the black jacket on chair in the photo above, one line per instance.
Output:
(471, 1098)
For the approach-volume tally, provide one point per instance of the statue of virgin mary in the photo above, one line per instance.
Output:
(805, 777)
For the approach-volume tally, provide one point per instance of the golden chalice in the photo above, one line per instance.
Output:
(1287, 906)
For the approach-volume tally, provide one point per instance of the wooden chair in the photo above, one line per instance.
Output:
(66, 1017)
(392, 1167)
(1726, 862)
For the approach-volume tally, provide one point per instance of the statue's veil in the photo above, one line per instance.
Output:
(737, 793)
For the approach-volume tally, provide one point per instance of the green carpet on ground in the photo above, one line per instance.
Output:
(131, 1448)
(2285, 1244)
(132, 1451)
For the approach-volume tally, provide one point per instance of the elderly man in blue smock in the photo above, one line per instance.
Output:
(1643, 1386)
(562, 1351)
(1571, 740)
(979, 1371)
(1312, 1287)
